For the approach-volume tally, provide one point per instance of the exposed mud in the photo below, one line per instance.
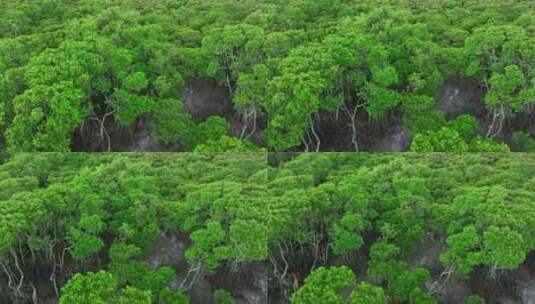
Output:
(397, 139)
(525, 280)
(512, 286)
(137, 137)
(169, 250)
(247, 285)
(461, 95)
(385, 134)
(457, 96)
(203, 98)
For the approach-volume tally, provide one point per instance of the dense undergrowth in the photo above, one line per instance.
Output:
(76, 71)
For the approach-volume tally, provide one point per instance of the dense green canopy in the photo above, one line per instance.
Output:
(374, 212)
(67, 213)
(68, 65)
(341, 227)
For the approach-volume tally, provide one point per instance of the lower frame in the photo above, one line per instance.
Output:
(256, 228)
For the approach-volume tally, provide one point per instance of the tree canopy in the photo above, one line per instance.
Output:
(328, 227)
(70, 70)
(338, 215)
(88, 222)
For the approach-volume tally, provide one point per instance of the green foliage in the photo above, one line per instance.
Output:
(368, 294)
(461, 250)
(107, 212)
(475, 299)
(347, 233)
(207, 246)
(171, 123)
(418, 296)
(99, 288)
(505, 248)
(498, 54)
(337, 285)
(524, 141)
(210, 131)
(135, 296)
(476, 210)
(45, 117)
(68, 68)
(491, 234)
(169, 297)
(408, 283)
(96, 63)
(112, 211)
(226, 144)
(221, 296)
(457, 135)
(325, 285)
(444, 140)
